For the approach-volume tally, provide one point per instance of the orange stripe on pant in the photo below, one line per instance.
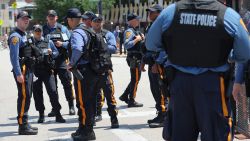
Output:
(163, 108)
(72, 89)
(112, 89)
(80, 94)
(136, 81)
(224, 107)
(102, 97)
(223, 100)
(23, 97)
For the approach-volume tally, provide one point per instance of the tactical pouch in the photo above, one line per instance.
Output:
(133, 60)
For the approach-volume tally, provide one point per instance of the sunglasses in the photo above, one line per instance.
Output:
(38, 31)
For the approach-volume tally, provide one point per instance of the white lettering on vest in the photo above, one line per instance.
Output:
(198, 19)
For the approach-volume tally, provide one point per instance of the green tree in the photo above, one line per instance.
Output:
(61, 6)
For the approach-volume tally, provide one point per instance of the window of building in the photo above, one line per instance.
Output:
(2, 6)
(10, 15)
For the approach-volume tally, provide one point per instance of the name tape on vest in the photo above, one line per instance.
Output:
(198, 19)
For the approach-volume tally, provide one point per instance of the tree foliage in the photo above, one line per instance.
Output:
(61, 6)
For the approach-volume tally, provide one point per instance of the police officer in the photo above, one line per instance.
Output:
(133, 42)
(87, 18)
(21, 58)
(107, 85)
(198, 58)
(52, 27)
(45, 74)
(153, 73)
(85, 88)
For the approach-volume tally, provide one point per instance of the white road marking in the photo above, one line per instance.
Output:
(61, 138)
(126, 134)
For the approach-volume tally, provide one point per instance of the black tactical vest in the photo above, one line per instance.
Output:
(43, 47)
(46, 61)
(24, 50)
(137, 47)
(56, 36)
(197, 36)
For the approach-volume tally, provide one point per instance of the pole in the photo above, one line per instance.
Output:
(100, 7)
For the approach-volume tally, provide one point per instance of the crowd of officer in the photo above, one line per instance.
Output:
(187, 64)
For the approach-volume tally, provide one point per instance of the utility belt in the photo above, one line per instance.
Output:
(134, 59)
(28, 61)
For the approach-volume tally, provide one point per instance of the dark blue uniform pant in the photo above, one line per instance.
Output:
(198, 103)
(130, 92)
(47, 77)
(86, 95)
(24, 95)
(66, 80)
(156, 91)
(107, 91)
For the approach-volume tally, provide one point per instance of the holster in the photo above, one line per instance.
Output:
(28, 61)
(76, 73)
(133, 60)
(163, 82)
(169, 74)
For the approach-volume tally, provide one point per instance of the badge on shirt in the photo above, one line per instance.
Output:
(14, 40)
(128, 34)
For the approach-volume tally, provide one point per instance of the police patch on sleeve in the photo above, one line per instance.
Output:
(243, 24)
(128, 34)
(14, 40)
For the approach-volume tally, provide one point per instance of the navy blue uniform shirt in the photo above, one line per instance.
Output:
(111, 41)
(78, 41)
(16, 41)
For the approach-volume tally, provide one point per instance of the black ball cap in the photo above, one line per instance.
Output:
(97, 18)
(132, 16)
(37, 27)
(154, 7)
(52, 13)
(88, 15)
(22, 14)
(73, 13)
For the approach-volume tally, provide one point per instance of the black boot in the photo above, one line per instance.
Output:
(78, 131)
(114, 122)
(87, 134)
(41, 117)
(124, 98)
(71, 108)
(26, 129)
(133, 103)
(59, 118)
(52, 113)
(158, 121)
(33, 128)
(98, 116)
